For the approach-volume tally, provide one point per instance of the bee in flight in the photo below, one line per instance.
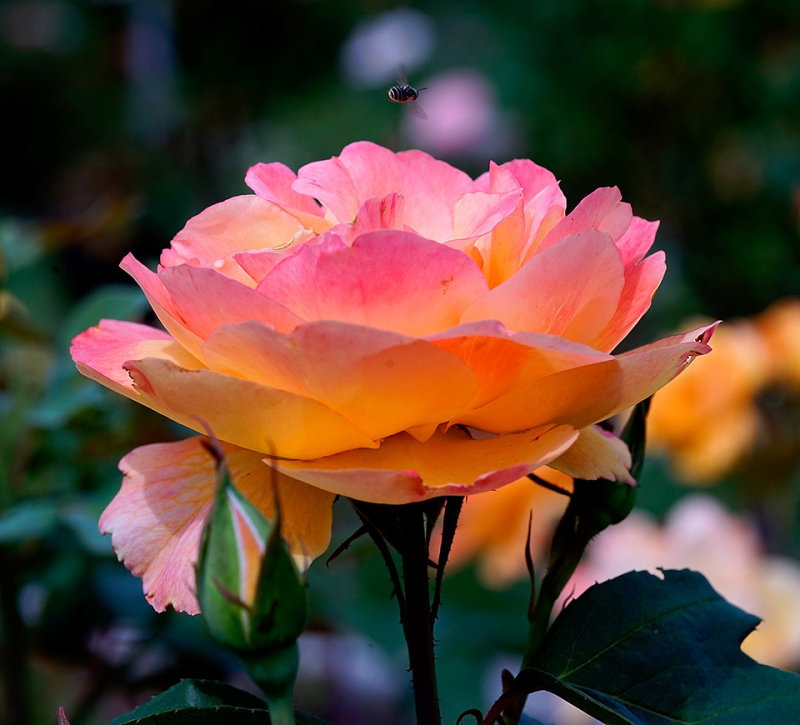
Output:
(404, 93)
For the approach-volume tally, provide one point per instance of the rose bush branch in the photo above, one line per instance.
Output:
(407, 529)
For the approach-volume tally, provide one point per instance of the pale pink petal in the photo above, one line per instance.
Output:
(388, 279)
(637, 240)
(641, 282)
(446, 182)
(162, 304)
(238, 224)
(258, 264)
(570, 290)
(525, 174)
(596, 454)
(331, 184)
(382, 381)
(478, 213)
(403, 470)
(157, 518)
(386, 212)
(205, 299)
(603, 210)
(364, 170)
(243, 412)
(274, 182)
(101, 351)
(590, 393)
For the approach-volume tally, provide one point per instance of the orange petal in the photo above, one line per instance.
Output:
(502, 361)
(588, 394)
(596, 454)
(244, 413)
(542, 207)
(404, 470)
(381, 381)
(157, 518)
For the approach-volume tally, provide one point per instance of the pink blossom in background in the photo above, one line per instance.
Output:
(461, 118)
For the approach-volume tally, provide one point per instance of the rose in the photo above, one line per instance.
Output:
(382, 327)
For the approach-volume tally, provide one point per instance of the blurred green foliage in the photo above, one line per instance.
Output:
(126, 118)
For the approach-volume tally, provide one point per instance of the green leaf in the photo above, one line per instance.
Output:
(28, 520)
(643, 650)
(205, 701)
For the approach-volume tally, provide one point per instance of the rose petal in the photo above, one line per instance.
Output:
(157, 518)
(641, 282)
(537, 299)
(162, 304)
(382, 381)
(403, 470)
(274, 182)
(273, 421)
(386, 212)
(258, 264)
(521, 173)
(364, 170)
(637, 240)
(238, 224)
(388, 279)
(100, 352)
(588, 394)
(479, 212)
(596, 454)
(542, 206)
(205, 299)
(602, 210)
(502, 361)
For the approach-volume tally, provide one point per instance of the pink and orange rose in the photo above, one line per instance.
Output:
(383, 327)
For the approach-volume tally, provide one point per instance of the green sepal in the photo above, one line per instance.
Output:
(634, 435)
(593, 506)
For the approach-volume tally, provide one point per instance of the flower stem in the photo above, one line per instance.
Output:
(417, 618)
(403, 528)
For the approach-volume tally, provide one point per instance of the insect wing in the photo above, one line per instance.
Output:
(416, 110)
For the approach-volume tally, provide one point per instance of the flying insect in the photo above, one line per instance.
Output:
(402, 92)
